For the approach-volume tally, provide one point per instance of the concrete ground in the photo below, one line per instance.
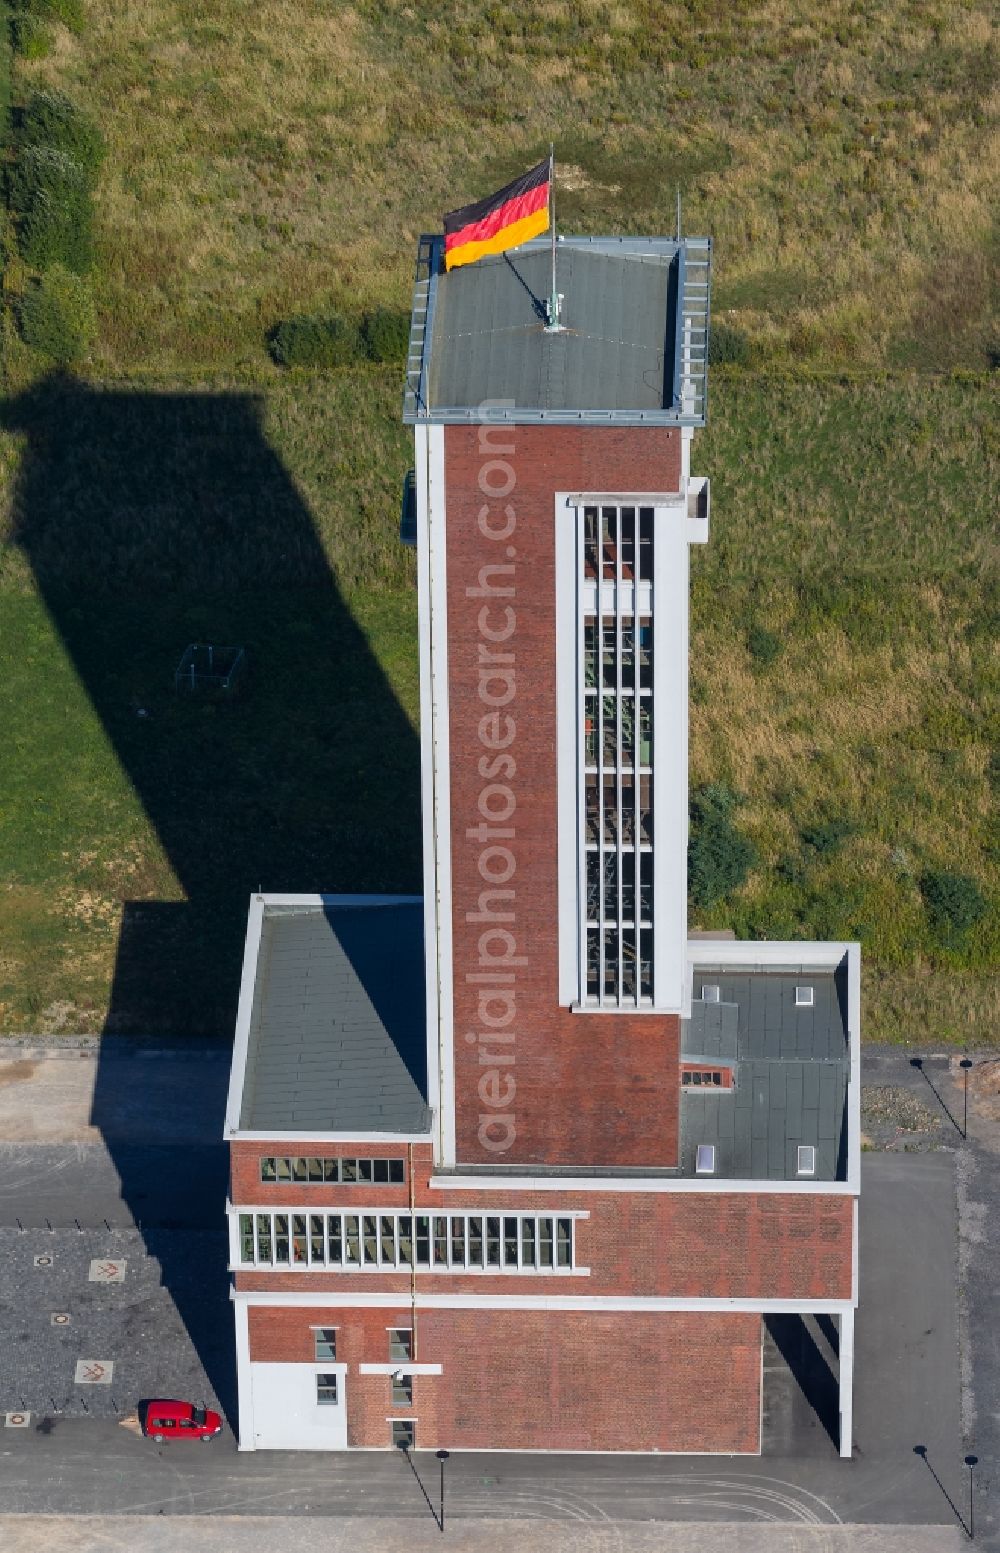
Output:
(147, 1159)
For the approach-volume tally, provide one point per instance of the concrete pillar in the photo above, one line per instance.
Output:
(846, 1381)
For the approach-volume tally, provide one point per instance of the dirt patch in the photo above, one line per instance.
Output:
(894, 1117)
(16, 1072)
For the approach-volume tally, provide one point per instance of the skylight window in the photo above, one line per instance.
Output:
(704, 1164)
(806, 1164)
(710, 994)
(804, 997)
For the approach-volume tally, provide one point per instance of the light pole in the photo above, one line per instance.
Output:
(442, 1457)
(970, 1462)
(965, 1065)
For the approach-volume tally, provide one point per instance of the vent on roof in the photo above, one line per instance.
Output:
(710, 994)
(704, 1164)
(803, 997)
(806, 1162)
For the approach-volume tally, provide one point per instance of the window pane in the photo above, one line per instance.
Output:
(400, 1343)
(527, 1242)
(269, 1170)
(246, 1237)
(458, 1242)
(348, 1170)
(326, 1390)
(510, 1242)
(370, 1238)
(396, 1170)
(331, 1170)
(315, 1169)
(263, 1237)
(564, 1242)
(284, 1167)
(423, 1240)
(440, 1241)
(336, 1243)
(352, 1239)
(281, 1237)
(317, 1249)
(381, 1170)
(545, 1242)
(299, 1237)
(388, 1240)
(364, 1169)
(300, 1170)
(404, 1433)
(493, 1242)
(475, 1242)
(406, 1240)
(402, 1391)
(326, 1343)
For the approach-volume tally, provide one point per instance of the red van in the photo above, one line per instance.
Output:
(165, 1420)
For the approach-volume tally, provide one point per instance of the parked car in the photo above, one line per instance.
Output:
(163, 1419)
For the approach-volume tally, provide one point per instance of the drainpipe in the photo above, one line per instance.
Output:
(413, 1251)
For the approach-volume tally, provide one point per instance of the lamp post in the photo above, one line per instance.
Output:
(965, 1065)
(442, 1457)
(970, 1462)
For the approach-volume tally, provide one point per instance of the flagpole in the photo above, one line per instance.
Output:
(554, 296)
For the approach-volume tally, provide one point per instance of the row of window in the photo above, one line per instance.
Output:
(310, 1171)
(805, 997)
(448, 1241)
(325, 1343)
(708, 1078)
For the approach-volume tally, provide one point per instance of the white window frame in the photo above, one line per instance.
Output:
(805, 997)
(412, 1423)
(809, 1150)
(705, 1151)
(528, 1231)
(711, 992)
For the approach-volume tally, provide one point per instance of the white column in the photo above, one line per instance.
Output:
(244, 1382)
(846, 1381)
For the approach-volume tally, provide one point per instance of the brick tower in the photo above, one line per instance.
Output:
(521, 1166)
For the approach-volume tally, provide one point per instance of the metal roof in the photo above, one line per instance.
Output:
(337, 1027)
(791, 1066)
(632, 346)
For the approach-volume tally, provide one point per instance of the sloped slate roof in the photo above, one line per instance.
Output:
(336, 1039)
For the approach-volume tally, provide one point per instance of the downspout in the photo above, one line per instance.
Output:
(413, 1251)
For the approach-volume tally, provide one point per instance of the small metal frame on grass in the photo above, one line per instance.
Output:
(208, 668)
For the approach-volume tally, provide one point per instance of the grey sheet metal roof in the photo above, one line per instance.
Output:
(479, 333)
(791, 1068)
(336, 1039)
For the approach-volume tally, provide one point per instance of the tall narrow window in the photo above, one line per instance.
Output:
(616, 754)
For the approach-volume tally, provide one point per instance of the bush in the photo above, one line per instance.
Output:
(314, 340)
(727, 347)
(57, 316)
(31, 37)
(954, 904)
(719, 856)
(762, 645)
(51, 119)
(50, 194)
(826, 836)
(69, 12)
(386, 335)
(5, 71)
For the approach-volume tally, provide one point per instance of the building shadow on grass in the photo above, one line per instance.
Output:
(152, 521)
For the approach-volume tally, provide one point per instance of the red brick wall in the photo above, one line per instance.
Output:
(538, 1380)
(590, 1089)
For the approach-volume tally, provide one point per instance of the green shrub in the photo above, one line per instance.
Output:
(5, 70)
(954, 903)
(826, 836)
(762, 645)
(51, 119)
(315, 340)
(719, 856)
(386, 335)
(69, 12)
(31, 37)
(50, 194)
(57, 316)
(727, 347)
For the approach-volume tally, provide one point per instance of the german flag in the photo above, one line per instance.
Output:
(501, 221)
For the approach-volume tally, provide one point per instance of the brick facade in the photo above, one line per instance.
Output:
(543, 1380)
(590, 1088)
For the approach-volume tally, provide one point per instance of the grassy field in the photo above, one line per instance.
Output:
(134, 823)
(262, 163)
(843, 156)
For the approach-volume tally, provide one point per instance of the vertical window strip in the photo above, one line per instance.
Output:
(455, 1242)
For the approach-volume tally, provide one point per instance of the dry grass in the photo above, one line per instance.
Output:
(843, 156)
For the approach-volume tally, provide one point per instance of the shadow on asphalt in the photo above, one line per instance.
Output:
(814, 1380)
